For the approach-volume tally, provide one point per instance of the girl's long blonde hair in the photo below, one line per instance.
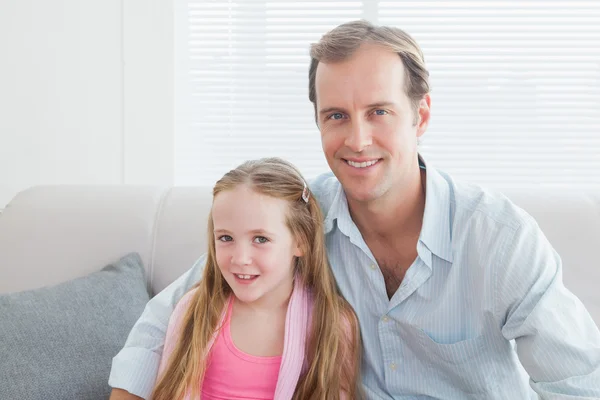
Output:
(333, 348)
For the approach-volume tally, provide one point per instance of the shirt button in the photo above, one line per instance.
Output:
(385, 318)
(373, 266)
(393, 366)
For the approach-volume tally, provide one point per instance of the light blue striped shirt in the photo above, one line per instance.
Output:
(482, 312)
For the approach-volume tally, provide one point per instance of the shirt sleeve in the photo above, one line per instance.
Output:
(557, 341)
(135, 367)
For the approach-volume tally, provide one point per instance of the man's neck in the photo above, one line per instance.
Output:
(397, 214)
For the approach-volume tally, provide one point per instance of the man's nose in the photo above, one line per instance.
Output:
(359, 136)
(241, 255)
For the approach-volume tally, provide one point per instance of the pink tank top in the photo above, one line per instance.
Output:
(234, 375)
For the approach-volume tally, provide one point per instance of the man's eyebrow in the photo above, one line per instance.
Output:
(330, 109)
(381, 104)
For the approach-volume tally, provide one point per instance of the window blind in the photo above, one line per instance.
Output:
(515, 85)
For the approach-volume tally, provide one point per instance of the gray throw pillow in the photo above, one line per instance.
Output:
(58, 342)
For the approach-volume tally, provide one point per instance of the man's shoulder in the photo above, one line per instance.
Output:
(325, 188)
(486, 208)
(489, 227)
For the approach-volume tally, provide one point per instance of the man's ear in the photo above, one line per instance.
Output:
(423, 115)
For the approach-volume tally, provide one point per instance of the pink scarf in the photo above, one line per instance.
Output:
(297, 324)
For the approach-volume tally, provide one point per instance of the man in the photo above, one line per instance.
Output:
(458, 293)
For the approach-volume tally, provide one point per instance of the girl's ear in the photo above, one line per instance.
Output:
(298, 252)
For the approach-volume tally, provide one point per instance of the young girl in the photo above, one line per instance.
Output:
(266, 321)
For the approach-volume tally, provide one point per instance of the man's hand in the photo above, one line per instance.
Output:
(120, 394)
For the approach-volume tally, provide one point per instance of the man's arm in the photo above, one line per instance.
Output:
(135, 368)
(558, 343)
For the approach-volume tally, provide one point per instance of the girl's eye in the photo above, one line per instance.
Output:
(336, 116)
(380, 112)
(225, 238)
(260, 239)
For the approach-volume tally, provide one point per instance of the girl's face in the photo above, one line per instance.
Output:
(255, 250)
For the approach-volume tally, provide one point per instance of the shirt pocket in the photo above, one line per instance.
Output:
(468, 365)
(455, 353)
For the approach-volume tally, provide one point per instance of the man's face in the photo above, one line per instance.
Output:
(367, 123)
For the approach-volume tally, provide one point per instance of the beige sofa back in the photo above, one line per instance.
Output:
(50, 234)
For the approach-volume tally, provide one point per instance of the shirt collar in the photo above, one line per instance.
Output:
(436, 230)
(338, 209)
(436, 233)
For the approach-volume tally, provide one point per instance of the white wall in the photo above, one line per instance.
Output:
(85, 93)
(149, 128)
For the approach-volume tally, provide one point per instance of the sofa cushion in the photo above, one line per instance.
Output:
(58, 342)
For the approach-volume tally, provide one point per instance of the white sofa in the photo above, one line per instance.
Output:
(51, 234)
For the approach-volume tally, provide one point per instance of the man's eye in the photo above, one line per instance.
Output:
(261, 239)
(225, 238)
(380, 112)
(336, 116)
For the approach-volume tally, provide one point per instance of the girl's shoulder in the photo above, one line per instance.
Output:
(185, 301)
(187, 298)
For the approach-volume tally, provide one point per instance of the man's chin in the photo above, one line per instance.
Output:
(361, 189)
(361, 193)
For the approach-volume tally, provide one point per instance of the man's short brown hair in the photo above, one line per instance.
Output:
(340, 43)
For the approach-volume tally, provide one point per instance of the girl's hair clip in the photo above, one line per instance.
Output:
(305, 193)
